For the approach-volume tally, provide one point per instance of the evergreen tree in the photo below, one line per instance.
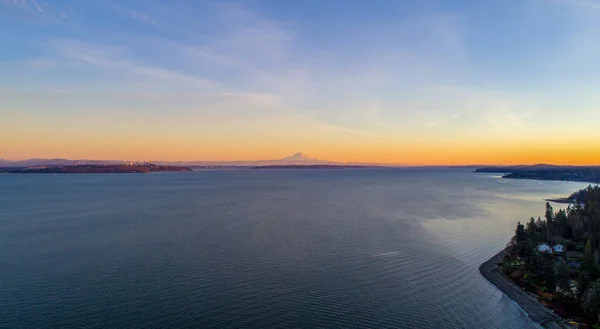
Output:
(547, 273)
(520, 234)
(562, 225)
(531, 228)
(532, 258)
(578, 224)
(583, 282)
(541, 231)
(590, 301)
(562, 278)
(522, 248)
(588, 263)
(549, 221)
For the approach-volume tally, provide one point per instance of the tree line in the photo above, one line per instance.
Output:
(577, 228)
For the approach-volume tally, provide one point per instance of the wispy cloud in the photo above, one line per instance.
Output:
(45, 12)
(142, 17)
(259, 49)
(37, 6)
(25, 4)
(273, 71)
(358, 132)
(494, 113)
(106, 57)
(435, 123)
(127, 12)
(267, 55)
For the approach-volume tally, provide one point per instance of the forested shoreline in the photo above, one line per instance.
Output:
(556, 258)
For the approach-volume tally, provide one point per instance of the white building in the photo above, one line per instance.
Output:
(544, 247)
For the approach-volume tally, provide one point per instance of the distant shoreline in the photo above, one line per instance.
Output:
(590, 174)
(96, 169)
(148, 168)
(315, 167)
(560, 200)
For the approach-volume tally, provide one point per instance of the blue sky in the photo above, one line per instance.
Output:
(348, 80)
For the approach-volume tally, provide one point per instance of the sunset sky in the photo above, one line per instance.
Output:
(405, 82)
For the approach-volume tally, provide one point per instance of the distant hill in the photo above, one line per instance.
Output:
(93, 169)
(295, 159)
(548, 172)
(55, 162)
(508, 169)
(313, 166)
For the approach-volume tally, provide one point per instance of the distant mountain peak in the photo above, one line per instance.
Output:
(300, 157)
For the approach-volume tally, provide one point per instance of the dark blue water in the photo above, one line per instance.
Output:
(260, 249)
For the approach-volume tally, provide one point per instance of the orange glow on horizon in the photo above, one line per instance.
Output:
(394, 154)
(116, 140)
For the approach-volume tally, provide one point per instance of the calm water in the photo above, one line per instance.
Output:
(260, 249)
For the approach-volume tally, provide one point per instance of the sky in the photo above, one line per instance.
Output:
(403, 82)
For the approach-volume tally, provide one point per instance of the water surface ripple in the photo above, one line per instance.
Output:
(381, 248)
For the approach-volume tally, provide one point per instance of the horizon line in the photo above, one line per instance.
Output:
(315, 160)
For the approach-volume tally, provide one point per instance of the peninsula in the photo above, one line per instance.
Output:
(94, 169)
(550, 267)
(548, 172)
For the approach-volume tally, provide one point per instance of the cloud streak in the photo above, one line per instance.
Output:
(37, 6)
(238, 72)
(435, 123)
(126, 12)
(143, 17)
(112, 58)
(25, 4)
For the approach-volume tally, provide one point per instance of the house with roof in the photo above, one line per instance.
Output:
(544, 247)
(559, 248)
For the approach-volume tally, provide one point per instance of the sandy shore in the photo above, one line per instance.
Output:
(536, 311)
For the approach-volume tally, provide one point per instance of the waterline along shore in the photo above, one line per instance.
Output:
(536, 311)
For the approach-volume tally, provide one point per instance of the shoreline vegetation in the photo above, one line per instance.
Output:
(550, 266)
(589, 174)
(573, 199)
(95, 169)
(536, 311)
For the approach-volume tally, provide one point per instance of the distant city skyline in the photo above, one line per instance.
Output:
(398, 82)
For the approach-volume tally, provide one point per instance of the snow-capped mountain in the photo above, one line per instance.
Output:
(301, 158)
(295, 159)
